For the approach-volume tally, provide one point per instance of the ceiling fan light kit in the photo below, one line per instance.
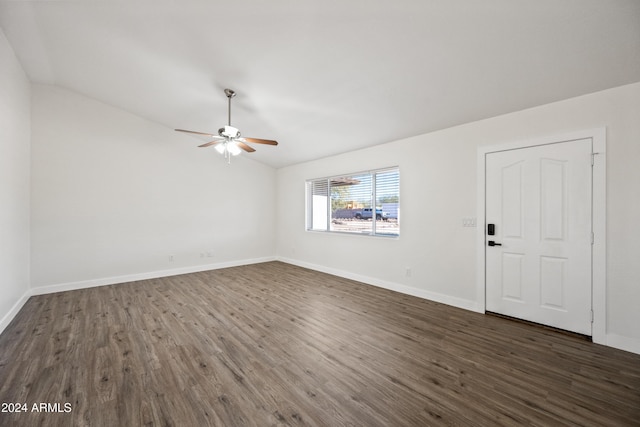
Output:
(229, 141)
(228, 149)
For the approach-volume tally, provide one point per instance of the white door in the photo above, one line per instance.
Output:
(539, 200)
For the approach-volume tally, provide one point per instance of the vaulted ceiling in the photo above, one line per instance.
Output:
(325, 76)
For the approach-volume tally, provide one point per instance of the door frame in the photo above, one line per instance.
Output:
(598, 218)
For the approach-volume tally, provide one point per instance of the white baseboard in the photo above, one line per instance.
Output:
(61, 287)
(14, 310)
(403, 289)
(631, 345)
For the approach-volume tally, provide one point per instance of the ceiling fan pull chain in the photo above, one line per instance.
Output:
(227, 153)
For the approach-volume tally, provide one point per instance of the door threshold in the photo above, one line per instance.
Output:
(541, 326)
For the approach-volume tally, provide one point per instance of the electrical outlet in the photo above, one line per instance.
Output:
(170, 258)
(407, 272)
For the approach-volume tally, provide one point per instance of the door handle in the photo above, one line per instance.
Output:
(492, 243)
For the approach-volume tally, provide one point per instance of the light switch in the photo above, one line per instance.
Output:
(468, 222)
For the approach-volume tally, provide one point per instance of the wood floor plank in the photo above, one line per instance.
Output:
(277, 345)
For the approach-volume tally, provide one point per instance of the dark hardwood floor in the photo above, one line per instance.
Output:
(274, 345)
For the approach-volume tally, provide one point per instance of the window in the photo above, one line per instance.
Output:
(364, 203)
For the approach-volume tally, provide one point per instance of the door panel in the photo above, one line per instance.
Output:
(553, 282)
(512, 276)
(553, 199)
(512, 209)
(539, 199)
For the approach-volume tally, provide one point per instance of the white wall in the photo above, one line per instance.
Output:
(114, 196)
(438, 189)
(15, 131)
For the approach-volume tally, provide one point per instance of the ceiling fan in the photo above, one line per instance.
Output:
(228, 141)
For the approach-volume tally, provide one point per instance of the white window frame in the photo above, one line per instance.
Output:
(327, 229)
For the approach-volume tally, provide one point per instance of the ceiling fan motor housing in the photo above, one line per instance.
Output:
(229, 132)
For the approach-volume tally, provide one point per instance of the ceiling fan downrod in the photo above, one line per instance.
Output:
(230, 94)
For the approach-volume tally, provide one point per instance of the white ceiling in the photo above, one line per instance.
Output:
(325, 76)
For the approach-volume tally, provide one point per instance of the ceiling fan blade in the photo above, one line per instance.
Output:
(260, 141)
(245, 147)
(210, 143)
(192, 131)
